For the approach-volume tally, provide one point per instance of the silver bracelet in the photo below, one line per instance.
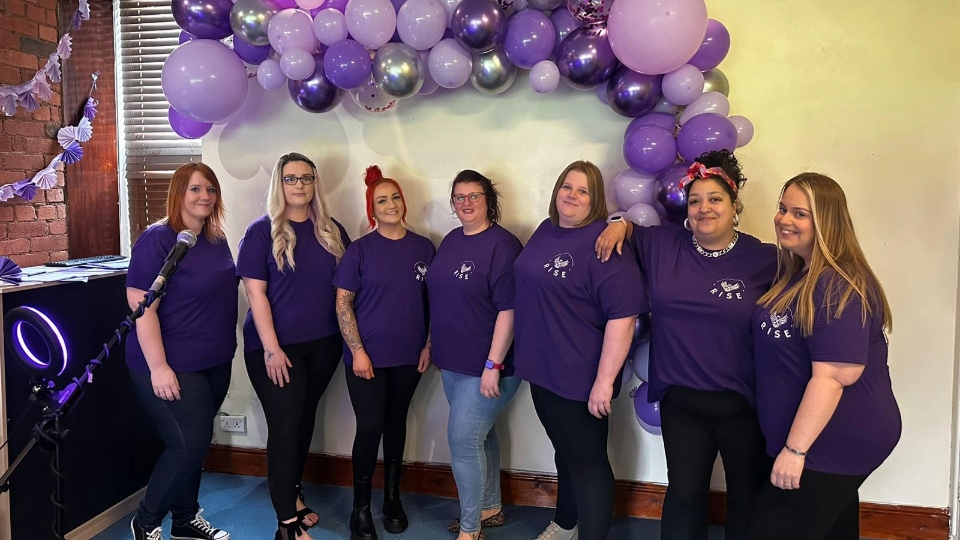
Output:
(794, 451)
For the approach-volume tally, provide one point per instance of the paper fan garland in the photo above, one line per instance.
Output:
(65, 47)
(90, 109)
(25, 189)
(70, 155)
(84, 129)
(28, 102)
(81, 132)
(6, 192)
(52, 69)
(10, 271)
(42, 87)
(8, 104)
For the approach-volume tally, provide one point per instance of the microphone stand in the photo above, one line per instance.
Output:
(48, 433)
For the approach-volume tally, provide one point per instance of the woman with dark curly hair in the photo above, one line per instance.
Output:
(704, 280)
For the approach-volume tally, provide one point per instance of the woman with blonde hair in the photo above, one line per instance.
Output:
(824, 394)
(574, 320)
(180, 351)
(292, 342)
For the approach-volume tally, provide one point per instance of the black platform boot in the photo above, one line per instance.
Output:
(394, 518)
(361, 521)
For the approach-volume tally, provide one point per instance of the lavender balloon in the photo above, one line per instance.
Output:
(585, 58)
(590, 11)
(530, 38)
(706, 132)
(269, 74)
(450, 64)
(478, 25)
(683, 85)
(647, 413)
(371, 22)
(708, 102)
(292, 29)
(347, 64)
(251, 54)
(205, 19)
(421, 23)
(631, 188)
(640, 351)
(664, 121)
(329, 26)
(670, 198)
(544, 77)
(187, 128)
(643, 215)
(545, 5)
(633, 94)
(601, 92)
(204, 80)
(563, 24)
(716, 44)
(315, 94)
(297, 64)
(744, 130)
(649, 149)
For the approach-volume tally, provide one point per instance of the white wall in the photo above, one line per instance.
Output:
(869, 95)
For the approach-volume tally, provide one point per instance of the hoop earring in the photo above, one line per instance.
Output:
(736, 220)
(686, 224)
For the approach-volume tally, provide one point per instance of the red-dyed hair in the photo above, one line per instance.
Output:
(373, 178)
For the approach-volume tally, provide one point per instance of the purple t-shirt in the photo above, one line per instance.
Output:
(865, 428)
(302, 301)
(701, 306)
(470, 283)
(564, 298)
(198, 315)
(391, 305)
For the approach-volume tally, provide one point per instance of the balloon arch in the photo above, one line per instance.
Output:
(654, 61)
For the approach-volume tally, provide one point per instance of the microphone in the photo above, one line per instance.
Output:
(185, 240)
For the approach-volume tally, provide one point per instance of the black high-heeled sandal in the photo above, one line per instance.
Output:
(305, 511)
(288, 531)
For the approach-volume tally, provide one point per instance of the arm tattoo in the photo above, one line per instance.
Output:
(348, 320)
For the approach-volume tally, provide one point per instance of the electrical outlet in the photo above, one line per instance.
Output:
(237, 424)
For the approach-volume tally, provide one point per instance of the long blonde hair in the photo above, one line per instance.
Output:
(835, 248)
(284, 238)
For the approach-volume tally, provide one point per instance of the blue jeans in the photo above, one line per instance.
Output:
(186, 427)
(474, 449)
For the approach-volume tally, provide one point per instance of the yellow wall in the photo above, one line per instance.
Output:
(867, 92)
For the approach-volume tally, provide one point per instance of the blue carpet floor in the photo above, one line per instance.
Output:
(241, 505)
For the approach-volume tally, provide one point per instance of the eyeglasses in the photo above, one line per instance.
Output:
(291, 180)
(474, 197)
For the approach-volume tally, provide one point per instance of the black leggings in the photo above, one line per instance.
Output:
(380, 405)
(825, 507)
(585, 484)
(696, 425)
(291, 412)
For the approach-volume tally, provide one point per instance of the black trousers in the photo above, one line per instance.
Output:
(291, 412)
(585, 485)
(380, 405)
(696, 425)
(825, 507)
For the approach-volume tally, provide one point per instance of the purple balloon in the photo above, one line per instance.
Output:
(633, 94)
(683, 85)
(641, 329)
(706, 132)
(287, 4)
(590, 11)
(661, 120)
(204, 80)
(586, 59)
(644, 215)
(529, 39)
(251, 54)
(649, 149)
(347, 64)
(315, 94)
(563, 24)
(715, 46)
(744, 129)
(647, 413)
(339, 5)
(186, 36)
(631, 188)
(670, 198)
(187, 127)
(478, 25)
(602, 94)
(205, 19)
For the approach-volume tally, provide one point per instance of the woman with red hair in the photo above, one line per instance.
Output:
(381, 308)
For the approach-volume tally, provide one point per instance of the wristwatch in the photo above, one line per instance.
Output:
(617, 218)
(493, 365)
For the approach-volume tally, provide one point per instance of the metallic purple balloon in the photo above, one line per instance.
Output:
(478, 25)
(205, 19)
(316, 93)
(590, 11)
(633, 94)
(671, 199)
(585, 58)
(563, 23)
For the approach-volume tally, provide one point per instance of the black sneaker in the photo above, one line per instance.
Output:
(197, 529)
(139, 533)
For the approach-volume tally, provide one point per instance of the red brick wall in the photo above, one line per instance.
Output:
(34, 232)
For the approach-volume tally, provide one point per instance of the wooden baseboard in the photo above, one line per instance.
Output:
(107, 518)
(638, 499)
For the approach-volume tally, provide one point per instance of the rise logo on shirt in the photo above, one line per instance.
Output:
(421, 271)
(560, 266)
(778, 326)
(464, 270)
(728, 289)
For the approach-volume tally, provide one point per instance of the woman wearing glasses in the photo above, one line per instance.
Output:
(292, 342)
(471, 306)
(381, 306)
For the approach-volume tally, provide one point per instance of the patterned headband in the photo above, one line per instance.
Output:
(698, 170)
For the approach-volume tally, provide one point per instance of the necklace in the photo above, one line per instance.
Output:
(714, 254)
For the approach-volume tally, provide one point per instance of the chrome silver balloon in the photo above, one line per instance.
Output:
(398, 70)
(715, 81)
(492, 73)
(249, 20)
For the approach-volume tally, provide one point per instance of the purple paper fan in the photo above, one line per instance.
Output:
(90, 109)
(84, 130)
(42, 87)
(8, 104)
(75, 22)
(6, 192)
(29, 102)
(72, 154)
(25, 189)
(47, 177)
(53, 68)
(65, 47)
(10, 271)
